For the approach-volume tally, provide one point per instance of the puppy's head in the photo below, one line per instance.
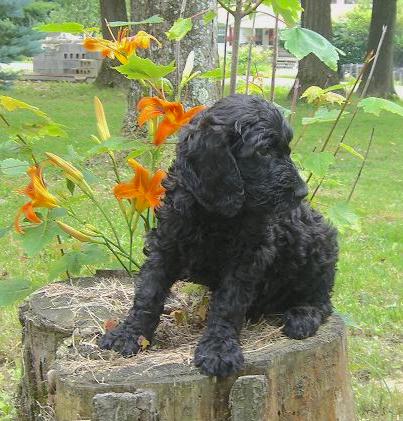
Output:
(236, 155)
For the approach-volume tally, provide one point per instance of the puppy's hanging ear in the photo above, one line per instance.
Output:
(209, 170)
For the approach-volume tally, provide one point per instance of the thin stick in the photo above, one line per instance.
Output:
(274, 61)
(362, 165)
(251, 44)
(109, 29)
(178, 46)
(294, 101)
(343, 107)
(369, 58)
(225, 56)
(59, 240)
(251, 9)
(378, 50)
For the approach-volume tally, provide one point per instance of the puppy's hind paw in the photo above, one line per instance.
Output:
(121, 340)
(219, 357)
(301, 322)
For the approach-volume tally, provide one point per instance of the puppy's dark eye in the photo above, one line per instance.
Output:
(264, 151)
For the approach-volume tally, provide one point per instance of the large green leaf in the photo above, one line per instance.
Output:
(70, 27)
(289, 10)
(301, 41)
(12, 104)
(37, 237)
(138, 68)
(179, 29)
(342, 216)
(318, 163)
(376, 105)
(12, 290)
(13, 167)
(323, 115)
(151, 20)
(73, 261)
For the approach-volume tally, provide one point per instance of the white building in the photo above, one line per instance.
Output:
(265, 23)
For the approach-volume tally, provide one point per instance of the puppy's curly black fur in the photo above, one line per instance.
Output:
(233, 219)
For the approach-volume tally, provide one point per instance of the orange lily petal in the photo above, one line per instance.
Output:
(29, 213)
(165, 129)
(124, 191)
(191, 113)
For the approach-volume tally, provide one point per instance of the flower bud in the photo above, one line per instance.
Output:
(74, 233)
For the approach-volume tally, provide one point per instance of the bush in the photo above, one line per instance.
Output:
(261, 59)
(7, 76)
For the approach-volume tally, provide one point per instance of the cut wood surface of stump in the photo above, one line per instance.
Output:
(68, 378)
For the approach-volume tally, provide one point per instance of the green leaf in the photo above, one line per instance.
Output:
(117, 144)
(301, 41)
(138, 68)
(285, 111)
(36, 238)
(374, 105)
(52, 129)
(318, 162)
(289, 10)
(179, 29)
(73, 261)
(312, 94)
(342, 216)
(217, 73)
(70, 186)
(69, 27)
(351, 150)
(13, 167)
(12, 104)
(209, 16)
(12, 290)
(151, 20)
(323, 115)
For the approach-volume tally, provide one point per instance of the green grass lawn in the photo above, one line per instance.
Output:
(369, 281)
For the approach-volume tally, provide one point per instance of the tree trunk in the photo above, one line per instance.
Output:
(67, 375)
(111, 10)
(201, 39)
(381, 84)
(311, 71)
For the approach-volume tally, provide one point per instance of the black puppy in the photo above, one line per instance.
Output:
(233, 220)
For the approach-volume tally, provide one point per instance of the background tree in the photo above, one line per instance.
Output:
(17, 39)
(381, 84)
(111, 11)
(311, 71)
(201, 39)
(83, 11)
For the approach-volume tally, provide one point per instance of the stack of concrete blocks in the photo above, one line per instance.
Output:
(65, 58)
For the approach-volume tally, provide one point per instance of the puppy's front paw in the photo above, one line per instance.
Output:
(216, 356)
(121, 340)
(301, 322)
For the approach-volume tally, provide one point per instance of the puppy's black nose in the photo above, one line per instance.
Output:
(301, 191)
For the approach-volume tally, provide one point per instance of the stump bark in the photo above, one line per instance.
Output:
(68, 378)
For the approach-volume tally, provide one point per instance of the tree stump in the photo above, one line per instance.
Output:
(67, 377)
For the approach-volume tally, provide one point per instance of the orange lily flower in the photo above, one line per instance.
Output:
(41, 198)
(143, 40)
(173, 112)
(121, 48)
(145, 189)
